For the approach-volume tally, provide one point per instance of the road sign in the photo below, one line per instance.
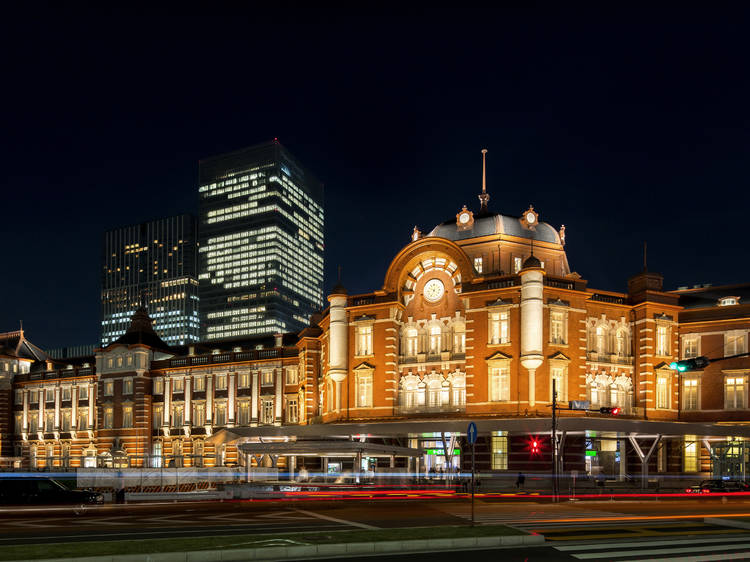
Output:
(579, 404)
(471, 433)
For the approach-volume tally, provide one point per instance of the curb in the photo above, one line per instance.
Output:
(316, 550)
(720, 521)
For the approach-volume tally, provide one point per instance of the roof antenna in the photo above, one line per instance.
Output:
(484, 197)
(645, 255)
(339, 279)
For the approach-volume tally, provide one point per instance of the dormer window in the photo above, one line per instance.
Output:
(729, 301)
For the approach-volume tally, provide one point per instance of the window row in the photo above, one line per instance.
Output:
(48, 421)
(243, 413)
(220, 382)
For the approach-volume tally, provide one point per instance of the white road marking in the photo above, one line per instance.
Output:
(337, 520)
(705, 558)
(733, 538)
(640, 552)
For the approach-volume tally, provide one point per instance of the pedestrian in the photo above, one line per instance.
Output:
(520, 481)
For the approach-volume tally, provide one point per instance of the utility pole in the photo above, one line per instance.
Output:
(554, 440)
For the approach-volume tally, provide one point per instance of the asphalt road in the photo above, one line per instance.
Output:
(568, 521)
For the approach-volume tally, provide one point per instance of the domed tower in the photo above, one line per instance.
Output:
(338, 344)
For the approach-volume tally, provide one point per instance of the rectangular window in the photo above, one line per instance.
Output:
(499, 384)
(499, 327)
(109, 418)
(65, 414)
(33, 424)
(364, 339)
(557, 327)
(83, 392)
(49, 422)
(243, 380)
(267, 411)
(662, 340)
(690, 394)
(735, 342)
(158, 417)
(66, 393)
(83, 419)
(478, 264)
(735, 393)
(559, 375)
(199, 384)
(266, 378)
(364, 390)
(662, 392)
(221, 382)
(19, 422)
(158, 385)
(199, 413)
(18, 397)
(292, 375)
(292, 411)
(34, 396)
(691, 454)
(499, 451)
(220, 414)
(177, 415)
(243, 413)
(178, 385)
(690, 347)
(127, 416)
(50, 395)
(517, 265)
(127, 385)
(109, 388)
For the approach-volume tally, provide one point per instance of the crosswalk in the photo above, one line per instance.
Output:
(736, 547)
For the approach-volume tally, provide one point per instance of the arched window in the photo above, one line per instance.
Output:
(412, 339)
(434, 390)
(601, 339)
(435, 339)
(459, 337)
(621, 343)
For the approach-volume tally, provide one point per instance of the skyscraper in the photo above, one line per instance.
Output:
(153, 263)
(261, 243)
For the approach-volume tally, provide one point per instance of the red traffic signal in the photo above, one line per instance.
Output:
(535, 446)
(613, 411)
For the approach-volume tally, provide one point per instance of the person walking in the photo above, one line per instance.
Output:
(520, 481)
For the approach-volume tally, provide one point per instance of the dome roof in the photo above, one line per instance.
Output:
(531, 261)
(141, 331)
(496, 224)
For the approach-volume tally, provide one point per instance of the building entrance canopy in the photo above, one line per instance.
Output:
(329, 448)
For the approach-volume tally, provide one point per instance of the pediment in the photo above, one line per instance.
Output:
(364, 366)
(499, 356)
(558, 356)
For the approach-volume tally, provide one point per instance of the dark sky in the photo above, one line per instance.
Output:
(625, 127)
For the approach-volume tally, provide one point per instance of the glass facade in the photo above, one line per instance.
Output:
(153, 263)
(261, 243)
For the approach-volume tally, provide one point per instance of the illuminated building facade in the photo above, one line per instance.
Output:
(261, 243)
(153, 262)
(477, 320)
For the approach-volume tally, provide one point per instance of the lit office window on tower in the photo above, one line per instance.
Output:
(261, 243)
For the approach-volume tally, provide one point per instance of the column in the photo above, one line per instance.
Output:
(209, 399)
(25, 410)
(167, 401)
(254, 400)
(278, 396)
(42, 398)
(74, 407)
(58, 393)
(231, 392)
(188, 406)
(532, 309)
(338, 346)
(92, 405)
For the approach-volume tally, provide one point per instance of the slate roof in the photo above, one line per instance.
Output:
(485, 225)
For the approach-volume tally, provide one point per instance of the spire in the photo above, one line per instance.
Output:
(645, 255)
(484, 197)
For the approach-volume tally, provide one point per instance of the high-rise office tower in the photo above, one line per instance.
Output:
(261, 243)
(152, 263)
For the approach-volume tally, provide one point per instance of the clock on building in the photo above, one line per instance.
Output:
(433, 290)
(464, 219)
(530, 218)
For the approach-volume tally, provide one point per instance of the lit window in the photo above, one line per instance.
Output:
(66, 420)
(364, 339)
(621, 343)
(735, 342)
(412, 339)
(478, 264)
(735, 393)
(266, 378)
(435, 333)
(220, 414)
(199, 384)
(109, 418)
(499, 450)
(119, 361)
(690, 394)
(459, 338)
(364, 390)
(158, 385)
(18, 397)
(178, 385)
(109, 388)
(690, 347)
(50, 395)
(267, 411)
(499, 384)
(66, 393)
(127, 416)
(177, 415)
(662, 340)
(557, 327)
(601, 340)
(243, 413)
(49, 422)
(691, 454)
(292, 411)
(199, 413)
(221, 382)
(243, 380)
(499, 327)
(83, 419)
(127, 385)
(34, 396)
(292, 375)
(728, 301)
(158, 417)
(662, 392)
(559, 375)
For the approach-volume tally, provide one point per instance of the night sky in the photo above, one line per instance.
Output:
(624, 127)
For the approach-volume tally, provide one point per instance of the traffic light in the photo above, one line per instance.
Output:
(614, 411)
(535, 447)
(693, 364)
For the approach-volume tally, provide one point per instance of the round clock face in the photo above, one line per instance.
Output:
(464, 218)
(433, 290)
(530, 218)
